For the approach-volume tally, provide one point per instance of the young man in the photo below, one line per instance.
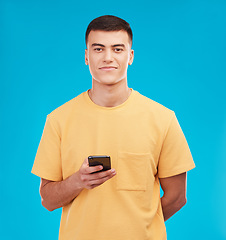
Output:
(143, 139)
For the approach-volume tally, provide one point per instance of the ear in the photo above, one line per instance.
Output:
(131, 57)
(86, 57)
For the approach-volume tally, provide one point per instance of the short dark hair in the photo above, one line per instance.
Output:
(109, 23)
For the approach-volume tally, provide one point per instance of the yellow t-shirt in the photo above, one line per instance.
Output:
(145, 143)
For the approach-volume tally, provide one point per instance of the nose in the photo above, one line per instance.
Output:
(108, 57)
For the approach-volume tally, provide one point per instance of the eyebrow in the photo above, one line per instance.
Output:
(118, 45)
(97, 44)
(101, 45)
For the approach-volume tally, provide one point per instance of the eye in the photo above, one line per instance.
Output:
(118, 50)
(98, 49)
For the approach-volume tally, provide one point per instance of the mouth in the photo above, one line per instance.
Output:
(108, 68)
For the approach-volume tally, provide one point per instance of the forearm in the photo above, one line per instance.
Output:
(171, 205)
(58, 194)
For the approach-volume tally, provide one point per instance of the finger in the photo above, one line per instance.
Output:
(86, 169)
(86, 162)
(94, 169)
(98, 175)
(102, 174)
(99, 178)
(98, 182)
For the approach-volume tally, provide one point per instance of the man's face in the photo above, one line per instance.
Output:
(108, 55)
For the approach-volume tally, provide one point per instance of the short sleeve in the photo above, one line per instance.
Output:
(47, 162)
(175, 156)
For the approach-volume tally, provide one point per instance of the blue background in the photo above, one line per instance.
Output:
(180, 62)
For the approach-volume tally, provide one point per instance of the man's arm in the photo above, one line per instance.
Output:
(174, 197)
(58, 194)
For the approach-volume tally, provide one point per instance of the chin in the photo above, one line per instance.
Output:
(108, 81)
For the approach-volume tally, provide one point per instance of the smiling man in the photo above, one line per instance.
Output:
(143, 139)
(108, 55)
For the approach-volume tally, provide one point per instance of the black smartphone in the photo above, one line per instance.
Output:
(105, 161)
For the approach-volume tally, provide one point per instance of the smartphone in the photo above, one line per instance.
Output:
(105, 161)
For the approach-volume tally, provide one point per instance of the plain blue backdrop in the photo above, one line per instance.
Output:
(180, 62)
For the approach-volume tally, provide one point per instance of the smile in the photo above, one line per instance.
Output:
(110, 68)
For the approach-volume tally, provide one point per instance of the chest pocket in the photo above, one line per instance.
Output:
(132, 170)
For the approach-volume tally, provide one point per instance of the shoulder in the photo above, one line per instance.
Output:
(67, 109)
(152, 107)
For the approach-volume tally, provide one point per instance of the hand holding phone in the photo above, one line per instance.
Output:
(86, 177)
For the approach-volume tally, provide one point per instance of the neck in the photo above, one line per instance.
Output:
(109, 95)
